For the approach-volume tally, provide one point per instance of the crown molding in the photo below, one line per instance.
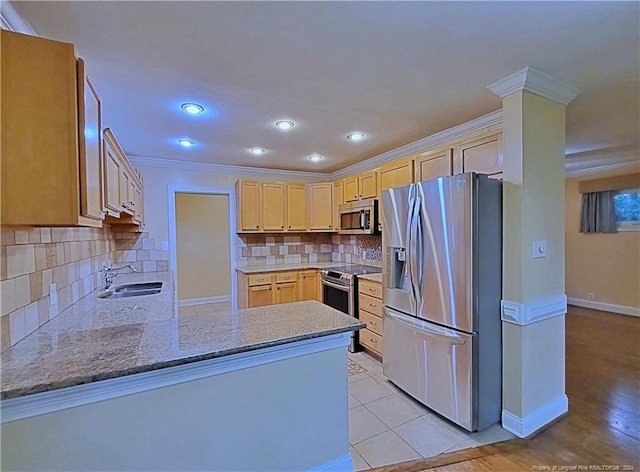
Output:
(596, 169)
(13, 20)
(228, 169)
(536, 82)
(482, 123)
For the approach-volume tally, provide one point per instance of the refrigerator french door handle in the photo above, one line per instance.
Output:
(421, 326)
(409, 249)
(415, 262)
(421, 244)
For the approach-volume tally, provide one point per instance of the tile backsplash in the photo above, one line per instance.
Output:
(141, 251)
(273, 249)
(34, 258)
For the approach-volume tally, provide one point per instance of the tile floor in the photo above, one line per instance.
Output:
(386, 426)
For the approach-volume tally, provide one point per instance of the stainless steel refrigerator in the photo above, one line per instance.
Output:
(442, 282)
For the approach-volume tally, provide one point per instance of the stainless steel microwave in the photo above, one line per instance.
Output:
(359, 217)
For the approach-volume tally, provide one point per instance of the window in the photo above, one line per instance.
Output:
(627, 203)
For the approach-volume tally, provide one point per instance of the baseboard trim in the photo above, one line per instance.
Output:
(204, 300)
(620, 309)
(523, 427)
(533, 311)
(341, 464)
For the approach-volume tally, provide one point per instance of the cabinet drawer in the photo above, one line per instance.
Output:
(371, 340)
(374, 323)
(372, 289)
(260, 279)
(370, 304)
(286, 277)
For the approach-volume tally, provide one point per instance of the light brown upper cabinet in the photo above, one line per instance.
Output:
(483, 155)
(320, 207)
(273, 207)
(296, 207)
(51, 139)
(249, 206)
(123, 188)
(434, 164)
(395, 174)
(111, 174)
(361, 186)
(338, 199)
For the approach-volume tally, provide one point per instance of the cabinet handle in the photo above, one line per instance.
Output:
(355, 196)
(257, 226)
(373, 322)
(329, 226)
(372, 289)
(289, 226)
(360, 195)
(374, 342)
(372, 304)
(283, 226)
(278, 288)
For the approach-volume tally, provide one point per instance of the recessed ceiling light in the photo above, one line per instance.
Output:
(258, 151)
(356, 136)
(314, 157)
(186, 142)
(284, 124)
(192, 108)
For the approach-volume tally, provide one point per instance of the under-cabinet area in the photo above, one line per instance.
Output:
(56, 169)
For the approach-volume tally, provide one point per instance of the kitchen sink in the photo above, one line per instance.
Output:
(138, 287)
(133, 290)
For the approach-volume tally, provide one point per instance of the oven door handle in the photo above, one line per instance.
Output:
(344, 288)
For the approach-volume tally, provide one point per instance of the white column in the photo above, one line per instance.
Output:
(534, 301)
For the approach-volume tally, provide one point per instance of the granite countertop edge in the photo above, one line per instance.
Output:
(285, 267)
(371, 277)
(76, 381)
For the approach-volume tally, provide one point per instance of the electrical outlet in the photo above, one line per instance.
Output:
(591, 296)
(53, 295)
(364, 255)
(165, 245)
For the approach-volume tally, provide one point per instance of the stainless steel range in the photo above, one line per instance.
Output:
(340, 290)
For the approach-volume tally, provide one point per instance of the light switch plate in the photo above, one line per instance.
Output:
(53, 295)
(539, 249)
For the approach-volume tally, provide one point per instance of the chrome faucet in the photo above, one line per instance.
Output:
(111, 273)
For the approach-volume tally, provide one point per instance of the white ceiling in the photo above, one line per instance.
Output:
(398, 71)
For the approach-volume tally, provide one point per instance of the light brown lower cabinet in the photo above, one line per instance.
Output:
(272, 288)
(260, 295)
(370, 312)
(286, 293)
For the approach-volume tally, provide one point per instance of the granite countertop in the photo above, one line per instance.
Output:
(371, 277)
(283, 267)
(97, 339)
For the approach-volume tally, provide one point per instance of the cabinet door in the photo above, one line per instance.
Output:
(434, 164)
(368, 185)
(249, 205)
(138, 216)
(112, 200)
(132, 194)
(396, 174)
(273, 207)
(308, 285)
(124, 190)
(286, 293)
(90, 147)
(296, 207)
(483, 156)
(260, 296)
(338, 199)
(320, 207)
(350, 189)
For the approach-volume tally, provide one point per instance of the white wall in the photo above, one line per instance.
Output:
(287, 415)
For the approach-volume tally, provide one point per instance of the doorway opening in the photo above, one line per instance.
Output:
(202, 248)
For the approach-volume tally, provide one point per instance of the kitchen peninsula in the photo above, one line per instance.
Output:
(125, 384)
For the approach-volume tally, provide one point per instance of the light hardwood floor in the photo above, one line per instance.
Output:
(602, 428)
